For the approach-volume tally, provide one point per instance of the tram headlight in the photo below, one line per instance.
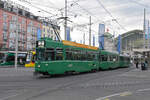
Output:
(39, 66)
(41, 43)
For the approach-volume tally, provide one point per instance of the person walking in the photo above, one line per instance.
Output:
(142, 65)
(137, 64)
(146, 65)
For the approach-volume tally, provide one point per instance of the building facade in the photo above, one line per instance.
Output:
(109, 43)
(13, 20)
(132, 40)
(50, 30)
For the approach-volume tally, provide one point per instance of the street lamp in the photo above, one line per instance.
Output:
(16, 42)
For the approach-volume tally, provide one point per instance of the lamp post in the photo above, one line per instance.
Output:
(16, 42)
(65, 20)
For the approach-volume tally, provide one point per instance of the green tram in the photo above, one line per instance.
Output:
(53, 57)
(8, 58)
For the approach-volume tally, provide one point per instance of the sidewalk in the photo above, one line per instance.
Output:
(138, 73)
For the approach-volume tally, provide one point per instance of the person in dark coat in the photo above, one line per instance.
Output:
(146, 65)
(142, 65)
(137, 64)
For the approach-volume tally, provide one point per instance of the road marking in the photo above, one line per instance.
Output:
(126, 94)
(107, 99)
(141, 90)
(9, 97)
(116, 94)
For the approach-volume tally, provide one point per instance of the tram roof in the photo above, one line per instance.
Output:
(69, 43)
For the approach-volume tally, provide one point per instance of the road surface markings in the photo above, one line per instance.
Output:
(141, 90)
(116, 94)
(11, 96)
(126, 94)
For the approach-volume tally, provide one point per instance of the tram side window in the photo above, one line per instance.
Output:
(59, 54)
(10, 58)
(114, 58)
(83, 55)
(49, 54)
(94, 57)
(89, 56)
(121, 58)
(69, 55)
(104, 57)
(111, 58)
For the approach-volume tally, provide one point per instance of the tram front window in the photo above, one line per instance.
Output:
(40, 54)
(46, 55)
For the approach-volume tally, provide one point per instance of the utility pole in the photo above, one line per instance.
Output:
(90, 32)
(65, 26)
(144, 29)
(16, 44)
(148, 35)
(84, 38)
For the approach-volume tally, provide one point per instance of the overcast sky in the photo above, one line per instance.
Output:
(128, 13)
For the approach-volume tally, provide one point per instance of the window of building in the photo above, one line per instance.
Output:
(11, 35)
(4, 25)
(11, 43)
(51, 32)
(23, 21)
(4, 16)
(14, 18)
(4, 35)
(11, 26)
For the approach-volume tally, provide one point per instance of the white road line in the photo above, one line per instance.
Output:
(141, 90)
(121, 94)
(116, 94)
(9, 97)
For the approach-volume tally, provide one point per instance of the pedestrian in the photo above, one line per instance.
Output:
(142, 65)
(146, 65)
(137, 64)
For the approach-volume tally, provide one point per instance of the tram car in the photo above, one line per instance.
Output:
(53, 57)
(9, 58)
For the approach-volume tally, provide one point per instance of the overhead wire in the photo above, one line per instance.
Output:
(100, 3)
(136, 2)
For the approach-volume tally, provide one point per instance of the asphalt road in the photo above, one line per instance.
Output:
(119, 84)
